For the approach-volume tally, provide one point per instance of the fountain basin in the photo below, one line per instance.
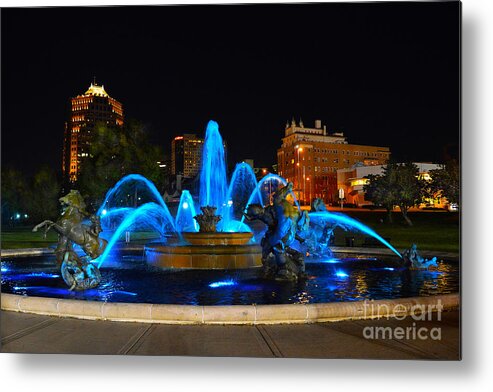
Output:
(217, 238)
(216, 250)
(206, 251)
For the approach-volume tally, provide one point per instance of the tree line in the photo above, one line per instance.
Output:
(400, 185)
(113, 153)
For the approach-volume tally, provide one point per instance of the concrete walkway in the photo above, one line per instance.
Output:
(29, 333)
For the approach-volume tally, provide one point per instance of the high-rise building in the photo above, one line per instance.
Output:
(86, 110)
(186, 155)
(310, 158)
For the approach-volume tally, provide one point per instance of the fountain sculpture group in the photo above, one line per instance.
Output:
(208, 240)
(284, 225)
(77, 272)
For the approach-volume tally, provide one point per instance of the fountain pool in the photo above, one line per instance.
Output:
(128, 278)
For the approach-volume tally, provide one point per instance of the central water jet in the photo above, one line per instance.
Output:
(213, 180)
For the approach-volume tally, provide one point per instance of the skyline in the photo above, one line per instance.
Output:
(333, 62)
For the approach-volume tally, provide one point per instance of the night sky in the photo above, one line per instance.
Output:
(384, 74)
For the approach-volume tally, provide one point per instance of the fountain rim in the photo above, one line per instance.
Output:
(211, 314)
(223, 314)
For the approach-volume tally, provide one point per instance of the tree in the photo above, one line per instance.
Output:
(44, 192)
(409, 188)
(114, 153)
(378, 190)
(398, 185)
(14, 193)
(445, 182)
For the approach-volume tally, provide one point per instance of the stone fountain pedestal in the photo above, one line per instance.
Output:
(206, 251)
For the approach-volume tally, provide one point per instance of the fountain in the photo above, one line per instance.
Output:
(221, 237)
(221, 241)
(243, 242)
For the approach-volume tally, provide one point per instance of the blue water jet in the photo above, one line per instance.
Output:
(236, 226)
(124, 293)
(243, 183)
(32, 275)
(213, 181)
(120, 187)
(223, 283)
(114, 216)
(186, 211)
(331, 261)
(149, 215)
(265, 188)
(346, 223)
(341, 274)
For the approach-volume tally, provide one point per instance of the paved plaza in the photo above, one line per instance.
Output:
(29, 333)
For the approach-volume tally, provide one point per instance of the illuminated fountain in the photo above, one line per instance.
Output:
(232, 243)
(210, 240)
(219, 239)
(186, 245)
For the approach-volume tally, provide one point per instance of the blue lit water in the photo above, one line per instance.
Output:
(243, 183)
(130, 279)
(134, 203)
(347, 223)
(149, 216)
(127, 188)
(186, 211)
(213, 179)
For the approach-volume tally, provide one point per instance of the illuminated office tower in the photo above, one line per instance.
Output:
(93, 107)
(186, 155)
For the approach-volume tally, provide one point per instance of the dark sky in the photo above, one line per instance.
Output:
(384, 74)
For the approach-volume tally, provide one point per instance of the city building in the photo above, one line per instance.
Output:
(165, 169)
(186, 155)
(352, 180)
(86, 110)
(310, 158)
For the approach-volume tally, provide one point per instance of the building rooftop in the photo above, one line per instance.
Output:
(94, 89)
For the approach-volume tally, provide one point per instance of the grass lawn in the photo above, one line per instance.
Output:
(431, 231)
(23, 237)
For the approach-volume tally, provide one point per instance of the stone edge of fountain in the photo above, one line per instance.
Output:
(222, 314)
(214, 314)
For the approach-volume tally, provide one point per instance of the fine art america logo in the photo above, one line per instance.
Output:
(412, 331)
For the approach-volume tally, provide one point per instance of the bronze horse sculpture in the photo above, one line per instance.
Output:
(77, 272)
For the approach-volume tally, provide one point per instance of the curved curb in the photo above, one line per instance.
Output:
(233, 314)
(20, 252)
(27, 252)
(336, 249)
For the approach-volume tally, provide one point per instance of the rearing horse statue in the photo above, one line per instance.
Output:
(77, 273)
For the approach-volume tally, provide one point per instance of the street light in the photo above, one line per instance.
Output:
(299, 149)
(304, 184)
(309, 189)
